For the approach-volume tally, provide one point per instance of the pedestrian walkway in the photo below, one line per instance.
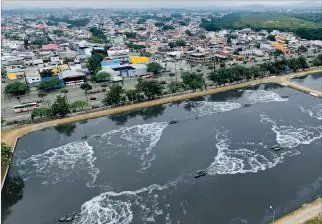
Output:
(303, 214)
(305, 89)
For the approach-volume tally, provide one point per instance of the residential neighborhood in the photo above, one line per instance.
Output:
(55, 53)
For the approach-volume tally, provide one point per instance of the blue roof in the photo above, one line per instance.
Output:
(110, 63)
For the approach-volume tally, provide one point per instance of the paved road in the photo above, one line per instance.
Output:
(75, 93)
(302, 215)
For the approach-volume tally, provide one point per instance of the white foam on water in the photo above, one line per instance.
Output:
(58, 164)
(259, 96)
(208, 108)
(240, 160)
(168, 219)
(118, 208)
(314, 111)
(238, 221)
(140, 140)
(291, 137)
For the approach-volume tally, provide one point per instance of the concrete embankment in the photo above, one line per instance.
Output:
(303, 214)
(10, 136)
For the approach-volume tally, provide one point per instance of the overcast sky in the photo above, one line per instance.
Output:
(13, 4)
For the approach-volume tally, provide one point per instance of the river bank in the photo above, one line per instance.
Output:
(303, 214)
(10, 136)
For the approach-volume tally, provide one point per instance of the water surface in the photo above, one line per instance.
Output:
(314, 81)
(136, 168)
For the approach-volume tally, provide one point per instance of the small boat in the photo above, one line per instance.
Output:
(276, 147)
(173, 122)
(62, 219)
(284, 97)
(84, 137)
(199, 173)
(247, 105)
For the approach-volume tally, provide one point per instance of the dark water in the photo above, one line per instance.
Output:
(136, 168)
(314, 81)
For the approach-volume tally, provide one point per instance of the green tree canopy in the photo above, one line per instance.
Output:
(78, 104)
(193, 80)
(16, 88)
(41, 112)
(150, 88)
(159, 24)
(114, 96)
(154, 67)
(168, 27)
(6, 155)
(133, 94)
(46, 73)
(60, 106)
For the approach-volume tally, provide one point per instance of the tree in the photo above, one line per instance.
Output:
(103, 76)
(16, 88)
(3, 72)
(278, 52)
(174, 86)
(133, 94)
(150, 88)
(302, 62)
(41, 112)
(86, 87)
(78, 104)
(302, 49)
(50, 84)
(114, 96)
(193, 80)
(130, 35)
(188, 32)
(60, 106)
(202, 36)
(65, 91)
(6, 155)
(159, 24)
(271, 38)
(168, 27)
(94, 62)
(154, 67)
(42, 94)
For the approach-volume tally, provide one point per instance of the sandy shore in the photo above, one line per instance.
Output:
(10, 136)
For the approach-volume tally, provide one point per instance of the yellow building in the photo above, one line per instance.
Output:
(279, 46)
(137, 59)
(60, 68)
(12, 76)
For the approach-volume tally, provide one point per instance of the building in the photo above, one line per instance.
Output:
(138, 59)
(116, 52)
(72, 77)
(126, 70)
(33, 77)
(49, 47)
(199, 58)
(280, 46)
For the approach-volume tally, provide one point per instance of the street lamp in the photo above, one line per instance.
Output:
(273, 213)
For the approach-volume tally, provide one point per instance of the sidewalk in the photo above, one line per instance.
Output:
(303, 214)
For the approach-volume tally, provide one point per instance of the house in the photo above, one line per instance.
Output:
(199, 58)
(279, 45)
(126, 70)
(118, 51)
(49, 47)
(33, 77)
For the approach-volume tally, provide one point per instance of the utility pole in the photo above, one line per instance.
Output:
(175, 68)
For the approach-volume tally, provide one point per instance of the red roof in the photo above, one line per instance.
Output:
(50, 47)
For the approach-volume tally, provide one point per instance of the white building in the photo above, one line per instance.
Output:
(32, 77)
(115, 51)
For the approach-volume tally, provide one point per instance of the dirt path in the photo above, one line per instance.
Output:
(10, 136)
(303, 214)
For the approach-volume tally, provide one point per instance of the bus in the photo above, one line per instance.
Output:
(25, 107)
(147, 76)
